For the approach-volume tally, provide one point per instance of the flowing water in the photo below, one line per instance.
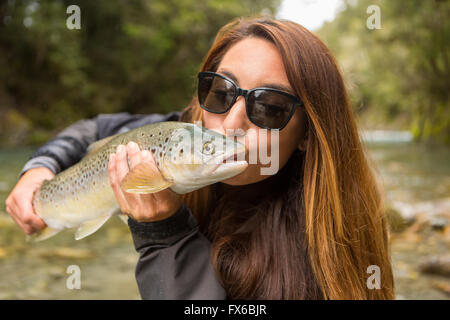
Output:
(412, 175)
(106, 259)
(416, 181)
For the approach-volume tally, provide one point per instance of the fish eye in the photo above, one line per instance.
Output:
(208, 148)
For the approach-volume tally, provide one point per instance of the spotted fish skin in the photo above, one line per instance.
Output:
(188, 157)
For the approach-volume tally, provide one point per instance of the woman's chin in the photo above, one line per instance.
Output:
(234, 181)
(244, 178)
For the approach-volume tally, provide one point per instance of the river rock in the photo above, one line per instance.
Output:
(439, 223)
(65, 253)
(421, 215)
(442, 286)
(431, 209)
(395, 220)
(436, 265)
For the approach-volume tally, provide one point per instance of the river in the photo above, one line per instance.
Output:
(412, 174)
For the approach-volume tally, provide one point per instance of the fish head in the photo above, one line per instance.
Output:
(196, 156)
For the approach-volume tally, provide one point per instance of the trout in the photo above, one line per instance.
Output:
(188, 157)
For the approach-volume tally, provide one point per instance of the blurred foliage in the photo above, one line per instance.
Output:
(139, 56)
(400, 71)
(395, 220)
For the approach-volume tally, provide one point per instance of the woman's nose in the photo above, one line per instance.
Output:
(236, 117)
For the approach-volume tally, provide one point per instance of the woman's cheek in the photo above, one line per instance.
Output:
(249, 175)
(212, 121)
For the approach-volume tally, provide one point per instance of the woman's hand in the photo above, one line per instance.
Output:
(19, 202)
(141, 207)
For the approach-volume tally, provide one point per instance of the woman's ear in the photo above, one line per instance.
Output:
(304, 125)
(302, 145)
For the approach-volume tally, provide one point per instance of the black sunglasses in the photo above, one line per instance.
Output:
(267, 108)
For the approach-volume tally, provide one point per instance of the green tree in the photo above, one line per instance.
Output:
(139, 56)
(401, 70)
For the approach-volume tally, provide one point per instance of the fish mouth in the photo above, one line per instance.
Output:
(229, 165)
(230, 157)
(230, 169)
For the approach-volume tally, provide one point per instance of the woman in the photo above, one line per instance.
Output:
(310, 231)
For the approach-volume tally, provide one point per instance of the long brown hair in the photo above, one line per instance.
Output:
(312, 230)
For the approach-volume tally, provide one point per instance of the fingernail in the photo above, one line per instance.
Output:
(120, 148)
(131, 146)
(111, 157)
(145, 153)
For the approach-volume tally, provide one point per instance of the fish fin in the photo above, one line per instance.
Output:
(124, 218)
(89, 227)
(143, 179)
(44, 234)
(98, 144)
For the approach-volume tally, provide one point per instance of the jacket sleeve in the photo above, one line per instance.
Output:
(175, 260)
(70, 145)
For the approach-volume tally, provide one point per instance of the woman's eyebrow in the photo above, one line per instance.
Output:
(229, 75)
(267, 85)
(279, 87)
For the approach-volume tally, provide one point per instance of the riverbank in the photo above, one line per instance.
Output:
(420, 258)
(106, 261)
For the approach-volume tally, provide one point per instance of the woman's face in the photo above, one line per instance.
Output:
(251, 63)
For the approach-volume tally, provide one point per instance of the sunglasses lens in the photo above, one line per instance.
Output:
(269, 109)
(215, 94)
